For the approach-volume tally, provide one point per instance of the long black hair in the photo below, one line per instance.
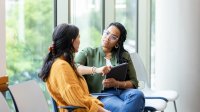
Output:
(120, 49)
(61, 46)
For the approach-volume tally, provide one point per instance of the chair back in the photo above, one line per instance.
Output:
(3, 104)
(28, 97)
(140, 70)
(55, 107)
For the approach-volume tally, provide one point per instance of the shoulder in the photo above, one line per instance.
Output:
(61, 69)
(126, 55)
(60, 64)
(89, 51)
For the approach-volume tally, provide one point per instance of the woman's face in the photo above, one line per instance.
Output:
(110, 37)
(76, 43)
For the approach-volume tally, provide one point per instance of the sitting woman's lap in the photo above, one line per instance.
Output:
(128, 100)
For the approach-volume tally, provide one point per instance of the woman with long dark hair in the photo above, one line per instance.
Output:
(59, 73)
(95, 63)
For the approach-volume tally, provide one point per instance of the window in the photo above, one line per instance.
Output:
(29, 26)
(126, 13)
(87, 15)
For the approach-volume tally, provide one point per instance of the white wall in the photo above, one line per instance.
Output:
(144, 32)
(2, 38)
(178, 51)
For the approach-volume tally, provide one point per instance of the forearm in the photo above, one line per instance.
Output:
(124, 84)
(83, 70)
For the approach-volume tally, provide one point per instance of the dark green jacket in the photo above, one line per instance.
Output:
(95, 57)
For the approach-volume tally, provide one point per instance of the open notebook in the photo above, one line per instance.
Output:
(118, 72)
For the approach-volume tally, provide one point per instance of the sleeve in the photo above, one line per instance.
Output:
(71, 90)
(81, 57)
(131, 71)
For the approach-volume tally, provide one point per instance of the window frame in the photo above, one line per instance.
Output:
(2, 39)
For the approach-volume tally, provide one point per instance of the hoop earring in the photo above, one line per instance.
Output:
(116, 46)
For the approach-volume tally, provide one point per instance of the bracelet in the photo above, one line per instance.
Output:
(94, 70)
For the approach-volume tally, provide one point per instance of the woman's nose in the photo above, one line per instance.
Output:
(107, 37)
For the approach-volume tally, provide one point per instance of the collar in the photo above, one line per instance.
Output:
(103, 54)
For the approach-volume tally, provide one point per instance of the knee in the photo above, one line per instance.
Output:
(135, 95)
(135, 98)
(139, 94)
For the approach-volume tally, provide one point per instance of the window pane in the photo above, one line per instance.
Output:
(87, 15)
(153, 42)
(29, 25)
(126, 13)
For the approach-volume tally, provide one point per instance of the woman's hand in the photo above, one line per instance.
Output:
(110, 82)
(104, 70)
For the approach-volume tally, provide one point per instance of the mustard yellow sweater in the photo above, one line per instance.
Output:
(69, 89)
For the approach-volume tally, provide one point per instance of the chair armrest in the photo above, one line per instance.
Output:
(156, 97)
(70, 108)
(100, 95)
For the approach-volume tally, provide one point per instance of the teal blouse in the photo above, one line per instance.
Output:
(95, 57)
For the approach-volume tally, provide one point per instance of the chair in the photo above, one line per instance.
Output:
(3, 104)
(69, 108)
(28, 97)
(72, 108)
(167, 95)
(153, 105)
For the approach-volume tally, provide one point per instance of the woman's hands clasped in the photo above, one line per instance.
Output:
(110, 82)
